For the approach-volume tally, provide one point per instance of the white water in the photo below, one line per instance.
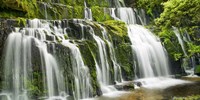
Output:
(160, 82)
(117, 67)
(103, 60)
(19, 48)
(189, 69)
(127, 15)
(151, 57)
(103, 68)
(18, 66)
(87, 12)
(81, 72)
(116, 3)
(180, 40)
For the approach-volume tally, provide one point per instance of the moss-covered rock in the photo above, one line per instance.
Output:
(117, 27)
(88, 51)
(197, 70)
(49, 9)
(118, 35)
(99, 14)
(125, 59)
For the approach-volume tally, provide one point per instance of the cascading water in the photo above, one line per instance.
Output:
(19, 59)
(189, 68)
(103, 68)
(42, 36)
(19, 47)
(180, 40)
(150, 54)
(81, 72)
(117, 68)
(127, 15)
(87, 12)
(151, 57)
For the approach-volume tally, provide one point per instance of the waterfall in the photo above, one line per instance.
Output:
(103, 72)
(103, 60)
(18, 71)
(87, 12)
(117, 68)
(126, 15)
(150, 55)
(81, 72)
(151, 58)
(116, 3)
(187, 63)
(19, 57)
(178, 35)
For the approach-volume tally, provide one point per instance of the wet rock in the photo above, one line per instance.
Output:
(99, 92)
(139, 84)
(125, 86)
(6, 27)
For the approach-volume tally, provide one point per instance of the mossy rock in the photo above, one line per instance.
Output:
(88, 50)
(116, 27)
(125, 59)
(197, 70)
(99, 14)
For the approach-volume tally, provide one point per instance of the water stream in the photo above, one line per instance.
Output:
(31, 56)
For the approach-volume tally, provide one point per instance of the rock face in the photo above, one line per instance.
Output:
(6, 26)
(83, 38)
(66, 14)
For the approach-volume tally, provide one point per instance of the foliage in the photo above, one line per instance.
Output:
(193, 49)
(88, 49)
(179, 13)
(194, 97)
(28, 6)
(125, 59)
(99, 15)
(197, 69)
(55, 9)
(153, 8)
(117, 27)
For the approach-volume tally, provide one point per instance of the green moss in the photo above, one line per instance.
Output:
(88, 50)
(102, 3)
(193, 49)
(116, 27)
(197, 69)
(179, 13)
(78, 12)
(99, 15)
(27, 6)
(171, 43)
(69, 12)
(152, 8)
(125, 59)
(21, 22)
(9, 13)
(34, 87)
(193, 97)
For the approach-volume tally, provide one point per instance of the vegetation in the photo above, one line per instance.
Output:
(183, 14)
(195, 97)
(153, 8)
